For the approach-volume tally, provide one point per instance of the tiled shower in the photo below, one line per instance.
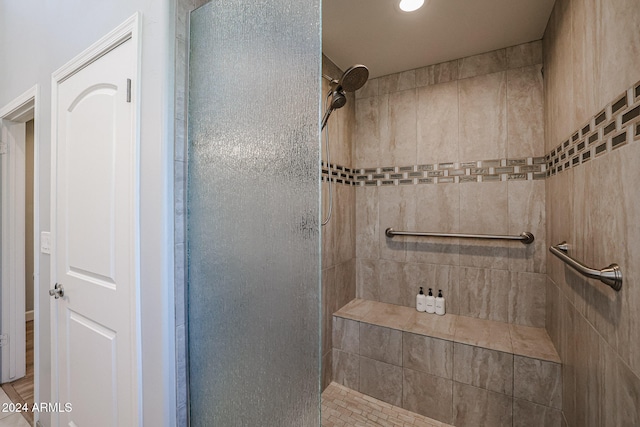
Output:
(539, 137)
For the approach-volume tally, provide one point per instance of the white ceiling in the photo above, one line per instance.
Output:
(377, 34)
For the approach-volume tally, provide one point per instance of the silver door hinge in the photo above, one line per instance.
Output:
(3, 148)
(4, 340)
(128, 90)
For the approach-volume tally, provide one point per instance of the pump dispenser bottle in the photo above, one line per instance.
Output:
(431, 305)
(440, 303)
(421, 301)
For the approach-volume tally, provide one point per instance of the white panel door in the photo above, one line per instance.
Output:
(95, 243)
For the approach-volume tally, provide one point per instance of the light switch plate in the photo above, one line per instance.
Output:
(45, 242)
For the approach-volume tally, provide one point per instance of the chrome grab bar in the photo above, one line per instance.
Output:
(525, 237)
(611, 275)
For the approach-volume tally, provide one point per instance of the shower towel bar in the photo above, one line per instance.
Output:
(525, 237)
(611, 275)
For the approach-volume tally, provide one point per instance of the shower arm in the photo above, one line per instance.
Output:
(331, 79)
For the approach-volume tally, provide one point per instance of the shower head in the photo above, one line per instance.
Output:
(338, 100)
(354, 78)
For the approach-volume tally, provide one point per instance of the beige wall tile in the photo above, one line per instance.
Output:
(580, 238)
(327, 231)
(525, 121)
(527, 299)
(568, 344)
(437, 120)
(483, 117)
(537, 381)
(388, 84)
(437, 210)
(367, 223)
(368, 279)
(484, 254)
(484, 293)
(396, 209)
(483, 368)
(356, 309)
(549, 121)
(619, 51)
(369, 89)
(630, 263)
(328, 306)
(561, 73)
(345, 283)
(527, 414)
(436, 74)
(407, 80)
(381, 380)
(552, 323)
(524, 55)
(585, 46)
(485, 63)
(526, 204)
(327, 369)
(428, 395)
(395, 288)
(344, 226)
(473, 407)
(620, 391)
(413, 279)
(400, 147)
(484, 208)
(346, 368)
(488, 334)
(371, 116)
(434, 276)
(381, 344)
(612, 239)
(346, 335)
(588, 379)
(426, 354)
(435, 326)
(389, 315)
(533, 342)
(559, 223)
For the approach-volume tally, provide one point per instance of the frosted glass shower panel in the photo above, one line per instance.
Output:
(253, 209)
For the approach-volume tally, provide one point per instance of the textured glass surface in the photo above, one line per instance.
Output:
(253, 214)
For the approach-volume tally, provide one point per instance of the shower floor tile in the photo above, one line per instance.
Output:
(342, 406)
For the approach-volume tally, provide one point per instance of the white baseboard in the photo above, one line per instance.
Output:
(28, 316)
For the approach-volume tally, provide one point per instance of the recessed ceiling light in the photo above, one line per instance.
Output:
(410, 5)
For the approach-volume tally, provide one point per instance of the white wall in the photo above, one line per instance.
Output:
(36, 38)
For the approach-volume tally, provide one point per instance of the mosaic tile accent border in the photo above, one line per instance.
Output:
(441, 173)
(615, 126)
(339, 174)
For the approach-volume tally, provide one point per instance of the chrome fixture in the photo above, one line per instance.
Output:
(353, 79)
(610, 276)
(525, 237)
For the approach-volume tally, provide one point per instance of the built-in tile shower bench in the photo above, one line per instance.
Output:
(459, 370)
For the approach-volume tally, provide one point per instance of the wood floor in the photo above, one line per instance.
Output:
(21, 391)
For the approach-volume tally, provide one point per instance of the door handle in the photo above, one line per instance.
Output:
(57, 291)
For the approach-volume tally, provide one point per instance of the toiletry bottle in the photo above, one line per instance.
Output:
(421, 301)
(431, 306)
(440, 303)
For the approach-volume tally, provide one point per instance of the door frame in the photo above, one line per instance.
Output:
(20, 110)
(128, 30)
